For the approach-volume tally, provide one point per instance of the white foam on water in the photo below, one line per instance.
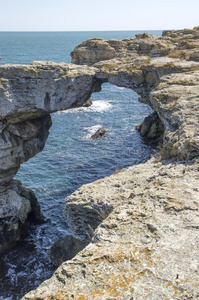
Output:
(100, 106)
(133, 130)
(97, 106)
(120, 88)
(91, 130)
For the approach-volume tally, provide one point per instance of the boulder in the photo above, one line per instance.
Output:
(151, 128)
(18, 206)
(88, 103)
(99, 134)
(65, 249)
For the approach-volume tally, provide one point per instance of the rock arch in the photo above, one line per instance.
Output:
(29, 94)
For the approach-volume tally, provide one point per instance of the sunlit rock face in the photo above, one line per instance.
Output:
(164, 71)
(28, 94)
(147, 243)
(142, 221)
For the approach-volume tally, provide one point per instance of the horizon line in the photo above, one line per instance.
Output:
(86, 30)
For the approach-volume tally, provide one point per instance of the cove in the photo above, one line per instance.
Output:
(144, 202)
(70, 158)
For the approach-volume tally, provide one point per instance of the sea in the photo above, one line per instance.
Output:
(70, 157)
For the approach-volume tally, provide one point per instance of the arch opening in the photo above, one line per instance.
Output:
(70, 159)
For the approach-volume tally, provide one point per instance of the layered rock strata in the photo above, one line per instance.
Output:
(146, 248)
(28, 94)
(142, 221)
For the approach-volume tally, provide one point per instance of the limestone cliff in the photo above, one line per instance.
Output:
(28, 94)
(146, 247)
(144, 220)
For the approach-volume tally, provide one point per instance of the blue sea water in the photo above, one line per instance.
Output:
(70, 157)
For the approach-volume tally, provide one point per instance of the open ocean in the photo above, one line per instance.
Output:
(70, 157)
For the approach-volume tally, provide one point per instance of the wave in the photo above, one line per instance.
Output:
(120, 88)
(91, 130)
(97, 106)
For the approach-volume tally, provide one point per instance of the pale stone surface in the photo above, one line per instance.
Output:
(144, 220)
(41, 88)
(146, 248)
(28, 94)
(16, 204)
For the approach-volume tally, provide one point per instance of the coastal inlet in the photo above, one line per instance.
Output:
(71, 158)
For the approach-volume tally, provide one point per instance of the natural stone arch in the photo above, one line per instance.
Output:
(119, 238)
(30, 93)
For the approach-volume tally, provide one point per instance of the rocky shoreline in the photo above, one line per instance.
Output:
(146, 245)
(142, 222)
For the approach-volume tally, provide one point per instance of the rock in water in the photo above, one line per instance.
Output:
(17, 205)
(99, 134)
(66, 249)
(88, 103)
(18, 143)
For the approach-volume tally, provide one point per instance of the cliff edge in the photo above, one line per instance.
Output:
(143, 222)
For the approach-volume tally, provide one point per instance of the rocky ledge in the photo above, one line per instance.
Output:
(28, 94)
(143, 222)
(146, 247)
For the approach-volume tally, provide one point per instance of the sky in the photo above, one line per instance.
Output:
(92, 15)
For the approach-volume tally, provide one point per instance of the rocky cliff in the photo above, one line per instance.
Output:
(146, 246)
(28, 94)
(143, 221)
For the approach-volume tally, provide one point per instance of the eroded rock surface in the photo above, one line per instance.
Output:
(28, 94)
(143, 221)
(167, 82)
(65, 249)
(100, 133)
(146, 248)
(17, 205)
(151, 128)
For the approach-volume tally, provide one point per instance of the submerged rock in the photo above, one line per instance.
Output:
(99, 134)
(66, 249)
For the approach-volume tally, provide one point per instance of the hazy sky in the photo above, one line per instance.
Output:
(76, 15)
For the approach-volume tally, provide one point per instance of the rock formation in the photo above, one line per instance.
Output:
(65, 249)
(28, 94)
(99, 134)
(151, 128)
(88, 103)
(143, 221)
(146, 248)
